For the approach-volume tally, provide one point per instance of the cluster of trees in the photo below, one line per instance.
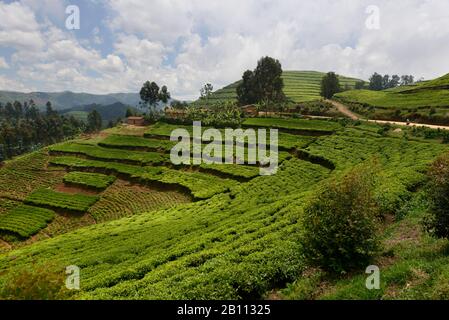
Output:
(23, 127)
(330, 84)
(263, 85)
(378, 82)
(151, 95)
(94, 121)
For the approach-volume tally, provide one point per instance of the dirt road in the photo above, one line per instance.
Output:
(345, 110)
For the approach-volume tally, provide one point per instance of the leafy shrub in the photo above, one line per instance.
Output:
(437, 221)
(445, 137)
(34, 283)
(340, 223)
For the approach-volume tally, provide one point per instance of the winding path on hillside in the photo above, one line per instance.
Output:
(345, 110)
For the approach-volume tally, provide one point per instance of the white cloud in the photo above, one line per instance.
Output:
(184, 44)
(96, 38)
(3, 63)
(140, 53)
(18, 27)
(112, 64)
(158, 20)
(12, 85)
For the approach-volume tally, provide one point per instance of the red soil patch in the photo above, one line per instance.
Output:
(74, 190)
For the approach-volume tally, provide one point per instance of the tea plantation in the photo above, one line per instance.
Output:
(299, 86)
(151, 230)
(427, 101)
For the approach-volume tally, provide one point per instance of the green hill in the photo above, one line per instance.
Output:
(299, 86)
(434, 93)
(211, 231)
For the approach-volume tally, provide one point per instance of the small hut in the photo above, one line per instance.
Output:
(250, 110)
(136, 121)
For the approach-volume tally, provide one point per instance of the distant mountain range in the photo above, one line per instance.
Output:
(68, 100)
(108, 112)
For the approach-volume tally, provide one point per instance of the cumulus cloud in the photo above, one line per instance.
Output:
(3, 63)
(18, 27)
(184, 44)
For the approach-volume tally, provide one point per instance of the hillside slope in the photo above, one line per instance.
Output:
(434, 93)
(238, 239)
(299, 86)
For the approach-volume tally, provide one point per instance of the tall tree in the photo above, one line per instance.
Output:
(94, 121)
(206, 92)
(407, 80)
(269, 83)
(149, 93)
(330, 85)
(359, 85)
(246, 90)
(376, 82)
(129, 113)
(164, 95)
(386, 82)
(263, 85)
(395, 81)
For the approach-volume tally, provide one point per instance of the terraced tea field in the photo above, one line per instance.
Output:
(428, 98)
(318, 126)
(124, 199)
(299, 86)
(97, 152)
(200, 232)
(94, 164)
(89, 180)
(59, 200)
(23, 175)
(25, 220)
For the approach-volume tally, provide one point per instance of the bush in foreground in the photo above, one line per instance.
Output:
(437, 221)
(34, 283)
(340, 224)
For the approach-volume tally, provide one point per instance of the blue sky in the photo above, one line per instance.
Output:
(186, 43)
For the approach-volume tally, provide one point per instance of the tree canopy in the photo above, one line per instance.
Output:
(94, 121)
(151, 94)
(330, 85)
(378, 82)
(24, 128)
(263, 85)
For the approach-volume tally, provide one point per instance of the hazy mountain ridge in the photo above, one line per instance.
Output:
(108, 112)
(67, 99)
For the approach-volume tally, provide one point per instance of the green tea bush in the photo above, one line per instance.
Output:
(25, 221)
(340, 223)
(34, 283)
(437, 221)
(90, 180)
(60, 200)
